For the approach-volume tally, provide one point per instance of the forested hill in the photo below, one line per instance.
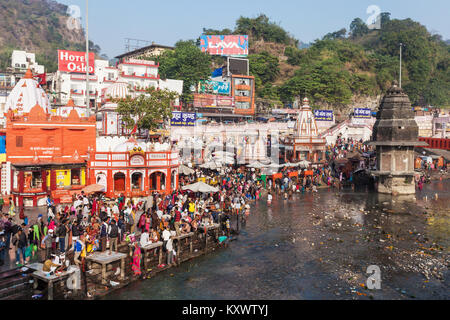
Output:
(347, 64)
(38, 26)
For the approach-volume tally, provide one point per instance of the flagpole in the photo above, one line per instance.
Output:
(400, 76)
(88, 110)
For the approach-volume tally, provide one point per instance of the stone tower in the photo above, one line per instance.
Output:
(395, 135)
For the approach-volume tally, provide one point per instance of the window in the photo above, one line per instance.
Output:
(76, 178)
(19, 141)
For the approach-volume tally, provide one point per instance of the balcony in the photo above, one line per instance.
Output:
(142, 76)
(243, 87)
(81, 93)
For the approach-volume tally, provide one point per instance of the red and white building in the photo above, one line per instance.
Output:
(135, 169)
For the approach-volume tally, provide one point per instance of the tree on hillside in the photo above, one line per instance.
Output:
(340, 34)
(264, 66)
(358, 28)
(147, 109)
(385, 17)
(187, 62)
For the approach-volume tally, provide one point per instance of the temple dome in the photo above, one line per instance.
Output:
(306, 125)
(118, 90)
(129, 145)
(26, 94)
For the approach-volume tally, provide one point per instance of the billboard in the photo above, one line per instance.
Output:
(74, 61)
(183, 119)
(231, 45)
(238, 67)
(211, 100)
(217, 87)
(362, 113)
(323, 115)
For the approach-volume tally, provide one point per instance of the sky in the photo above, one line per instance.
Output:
(166, 22)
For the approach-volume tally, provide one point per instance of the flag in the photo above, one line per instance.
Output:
(134, 130)
(42, 78)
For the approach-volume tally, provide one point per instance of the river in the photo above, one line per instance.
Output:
(318, 246)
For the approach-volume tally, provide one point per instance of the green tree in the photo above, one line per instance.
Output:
(264, 66)
(187, 62)
(358, 28)
(146, 110)
(340, 34)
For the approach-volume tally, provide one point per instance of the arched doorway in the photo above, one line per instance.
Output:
(137, 181)
(119, 182)
(157, 181)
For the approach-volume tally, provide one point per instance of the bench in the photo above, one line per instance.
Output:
(149, 247)
(49, 279)
(104, 258)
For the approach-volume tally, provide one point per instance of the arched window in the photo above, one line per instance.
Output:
(137, 181)
(157, 181)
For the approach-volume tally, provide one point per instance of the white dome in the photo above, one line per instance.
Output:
(26, 94)
(129, 145)
(118, 90)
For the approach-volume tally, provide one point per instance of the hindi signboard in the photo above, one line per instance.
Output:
(183, 119)
(362, 113)
(75, 62)
(216, 87)
(323, 115)
(229, 45)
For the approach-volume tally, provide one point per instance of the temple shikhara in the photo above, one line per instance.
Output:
(59, 153)
(47, 153)
(305, 143)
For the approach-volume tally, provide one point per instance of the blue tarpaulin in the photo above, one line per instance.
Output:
(2, 144)
(217, 73)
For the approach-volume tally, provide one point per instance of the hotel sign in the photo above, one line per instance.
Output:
(75, 62)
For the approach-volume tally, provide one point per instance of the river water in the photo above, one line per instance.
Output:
(318, 246)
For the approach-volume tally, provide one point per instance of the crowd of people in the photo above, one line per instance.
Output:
(92, 222)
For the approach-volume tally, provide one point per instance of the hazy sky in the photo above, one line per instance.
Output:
(166, 22)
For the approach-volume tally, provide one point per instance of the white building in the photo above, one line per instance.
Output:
(21, 60)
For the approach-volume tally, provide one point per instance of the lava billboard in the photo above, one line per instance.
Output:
(75, 62)
(231, 45)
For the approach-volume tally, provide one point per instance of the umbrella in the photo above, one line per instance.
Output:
(185, 170)
(223, 153)
(93, 188)
(304, 163)
(256, 165)
(200, 187)
(274, 166)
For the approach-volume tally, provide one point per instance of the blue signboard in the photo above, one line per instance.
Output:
(215, 87)
(2, 144)
(362, 113)
(323, 115)
(183, 119)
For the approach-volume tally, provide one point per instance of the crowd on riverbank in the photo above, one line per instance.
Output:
(92, 222)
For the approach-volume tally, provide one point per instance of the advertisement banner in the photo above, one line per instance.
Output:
(231, 45)
(362, 113)
(216, 87)
(75, 62)
(323, 115)
(211, 100)
(183, 119)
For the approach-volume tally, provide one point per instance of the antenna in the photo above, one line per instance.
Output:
(134, 44)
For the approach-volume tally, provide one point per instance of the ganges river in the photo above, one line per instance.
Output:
(318, 246)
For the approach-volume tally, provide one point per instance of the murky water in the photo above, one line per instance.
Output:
(318, 246)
